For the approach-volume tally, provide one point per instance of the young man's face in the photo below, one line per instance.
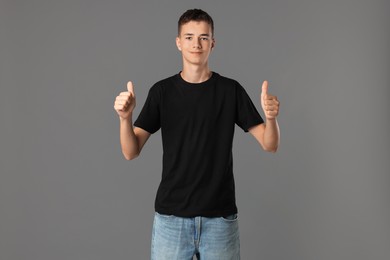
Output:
(195, 42)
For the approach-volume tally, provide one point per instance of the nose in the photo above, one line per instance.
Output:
(197, 45)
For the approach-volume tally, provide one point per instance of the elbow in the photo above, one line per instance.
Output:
(129, 157)
(271, 149)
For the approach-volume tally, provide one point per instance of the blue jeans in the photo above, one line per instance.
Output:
(178, 238)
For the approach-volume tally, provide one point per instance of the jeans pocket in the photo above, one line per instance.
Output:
(230, 218)
(163, 215)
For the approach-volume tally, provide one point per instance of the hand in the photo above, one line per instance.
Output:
(269, 103)
(125, 102)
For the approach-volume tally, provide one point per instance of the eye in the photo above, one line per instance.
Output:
(188, 38)
(205, 38)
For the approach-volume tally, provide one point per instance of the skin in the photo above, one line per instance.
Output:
(195, 43)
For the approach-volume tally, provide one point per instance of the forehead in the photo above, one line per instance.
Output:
(196, 27)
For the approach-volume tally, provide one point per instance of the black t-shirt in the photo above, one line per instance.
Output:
(197, 122)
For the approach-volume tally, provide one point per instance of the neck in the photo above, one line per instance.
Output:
(195, 74)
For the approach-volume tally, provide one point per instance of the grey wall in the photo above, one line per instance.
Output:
(66, 192)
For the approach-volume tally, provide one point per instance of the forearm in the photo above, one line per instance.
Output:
(128, 139)
(271, 135)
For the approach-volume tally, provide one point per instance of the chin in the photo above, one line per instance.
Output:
(195, 61)
(199, 61)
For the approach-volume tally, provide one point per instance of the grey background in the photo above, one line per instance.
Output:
(66, 192)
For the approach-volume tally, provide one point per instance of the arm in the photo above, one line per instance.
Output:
(132, 139)
(268, 133)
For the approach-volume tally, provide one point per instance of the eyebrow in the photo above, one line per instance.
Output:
(203, 34)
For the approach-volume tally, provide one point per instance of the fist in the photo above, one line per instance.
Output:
(269, 103)
(125, 102)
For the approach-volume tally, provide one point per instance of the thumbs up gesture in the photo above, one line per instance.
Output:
(125, 102)
(269, 103)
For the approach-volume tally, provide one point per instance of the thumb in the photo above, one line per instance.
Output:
(264, 88)
(130, 87)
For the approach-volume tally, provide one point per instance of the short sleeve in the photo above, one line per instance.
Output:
(149, 117)
(246, 112)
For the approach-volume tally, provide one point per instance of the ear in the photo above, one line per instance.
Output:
(213, 44)
(178, 43)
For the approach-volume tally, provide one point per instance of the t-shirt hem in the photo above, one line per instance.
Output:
(256, 122)
(189, 214)
(151, 131)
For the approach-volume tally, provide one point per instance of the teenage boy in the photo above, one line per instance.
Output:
(196, 109)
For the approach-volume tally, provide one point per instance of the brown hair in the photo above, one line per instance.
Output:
(195, 15)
